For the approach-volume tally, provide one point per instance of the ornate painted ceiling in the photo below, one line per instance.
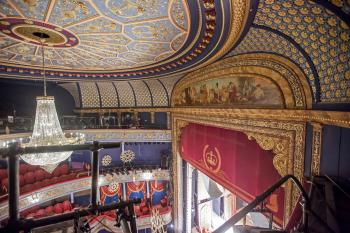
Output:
(94, 39)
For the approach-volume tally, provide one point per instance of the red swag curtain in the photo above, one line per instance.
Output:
(235, 162)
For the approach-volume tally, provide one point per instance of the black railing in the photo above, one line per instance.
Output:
(259, 199)
(15, 224)
(25, 124)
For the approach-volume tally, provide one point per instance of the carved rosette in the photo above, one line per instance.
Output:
(278, 146)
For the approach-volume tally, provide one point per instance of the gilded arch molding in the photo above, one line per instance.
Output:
(290, 79)
(285, 138)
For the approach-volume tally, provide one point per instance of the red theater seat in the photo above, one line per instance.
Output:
(21, 180)
(3, 174)
(5, 183)
(26, 188)
(29, 178)
(49, 210)
(66, 205)
(23, 168)
(31, 168)
(40, 213)
(39, 175)
(58, 208)
(64, 169)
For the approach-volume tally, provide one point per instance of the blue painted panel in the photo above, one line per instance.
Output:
(145, 118)
(160, 119)
(344, 160)
(330, 151)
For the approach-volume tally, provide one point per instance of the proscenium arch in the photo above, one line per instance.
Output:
(291, 80)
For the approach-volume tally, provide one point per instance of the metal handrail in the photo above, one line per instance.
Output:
(243, 212)
(338, 186)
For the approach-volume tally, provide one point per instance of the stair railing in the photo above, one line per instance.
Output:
(244, 211)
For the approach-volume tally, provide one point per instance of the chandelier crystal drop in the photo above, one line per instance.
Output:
(48, 132)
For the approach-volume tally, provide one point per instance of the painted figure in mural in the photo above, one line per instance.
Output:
(204, 94)
(237, 91)
(232, 92)
(258, 93)
(216, 89)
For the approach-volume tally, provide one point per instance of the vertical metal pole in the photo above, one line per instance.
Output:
(132, 219)
(13, 164)
(305, 220)
(94, 176)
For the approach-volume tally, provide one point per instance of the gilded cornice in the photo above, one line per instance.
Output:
(341, 119)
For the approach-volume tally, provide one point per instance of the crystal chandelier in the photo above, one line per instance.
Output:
(47, 130)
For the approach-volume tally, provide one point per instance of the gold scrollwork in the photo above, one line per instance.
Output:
(278, 146)
(316, 148)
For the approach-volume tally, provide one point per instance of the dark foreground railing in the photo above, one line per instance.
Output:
(305, 199)
(15, 224)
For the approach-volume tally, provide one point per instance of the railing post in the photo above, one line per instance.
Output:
(94, 176)
(13, 164)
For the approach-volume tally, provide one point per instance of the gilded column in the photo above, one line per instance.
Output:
(119, 118)
(168, 120)
(316, 148)
(153, 118)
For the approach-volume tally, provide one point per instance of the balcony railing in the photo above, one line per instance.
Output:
(25, 124)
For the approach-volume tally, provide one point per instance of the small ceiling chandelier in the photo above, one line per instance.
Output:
(47, 129)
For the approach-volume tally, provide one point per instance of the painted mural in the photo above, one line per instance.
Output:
(235, 91)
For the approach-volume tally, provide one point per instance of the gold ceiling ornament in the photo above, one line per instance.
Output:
(127, 156)
(106, 160)
(157, 222)
(26, 32)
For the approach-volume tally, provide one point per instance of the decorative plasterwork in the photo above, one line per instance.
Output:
(289, 77)
(279, 146)
(100, 35)
(317, 133)
(130, 135)
(321, 34)
(122, 94)
(62, 189)
(260, 40)
(277, 135)
(132, 42)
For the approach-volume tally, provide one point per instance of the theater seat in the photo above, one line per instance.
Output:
(67, 205)
(39, 175)
(3, 173)
(23, 168)
(49, 210)
(58, 208)
(29, 178)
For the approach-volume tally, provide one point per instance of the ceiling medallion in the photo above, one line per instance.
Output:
(106, 160)
(127, 156)
(26, 30)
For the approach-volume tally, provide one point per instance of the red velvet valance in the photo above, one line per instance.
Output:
(234, 161)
